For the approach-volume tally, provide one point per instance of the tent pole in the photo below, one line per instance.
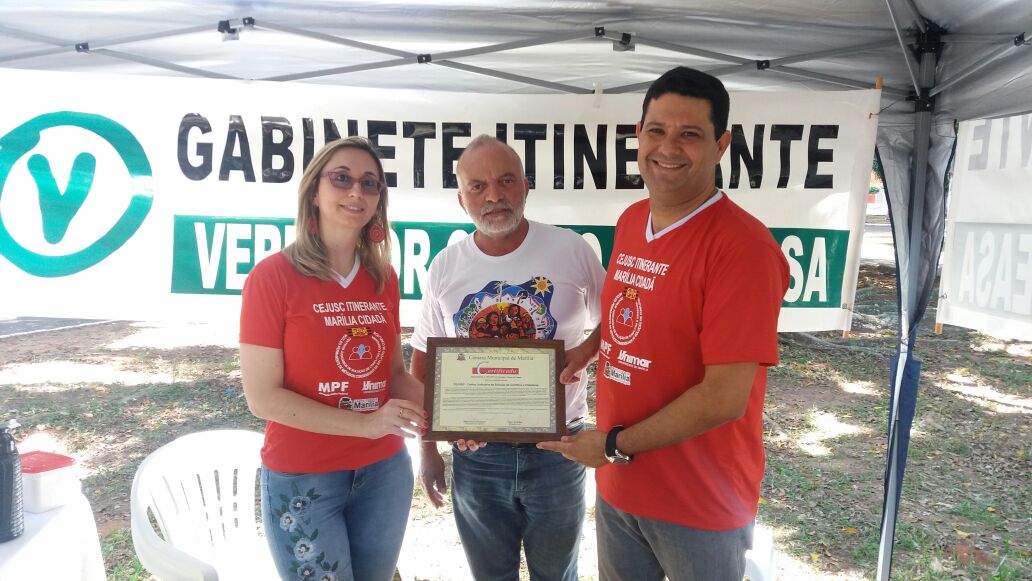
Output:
(835, 80)
(440, 59)
(107, 42)
(699, 52)
(975, 67)
(787, 71)
(744, 64)
(919, 20)
(513, 77)
(537, 41)
(889, 508)
(41, 38)
(410, 60)
(978, 38)
(903, 45)
(810, 56)
(414, 59)
(504, 46)
(331, 38)
(922, 138)
(924, 108)
(37, 53)
(61, 45)
(161, 64)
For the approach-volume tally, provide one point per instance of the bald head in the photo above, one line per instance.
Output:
(484, 140)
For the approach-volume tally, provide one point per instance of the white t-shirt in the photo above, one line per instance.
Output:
(548, 288)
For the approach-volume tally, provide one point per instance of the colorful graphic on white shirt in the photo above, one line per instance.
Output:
(502, 309)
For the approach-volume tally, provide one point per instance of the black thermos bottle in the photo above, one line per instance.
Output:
(12, 519)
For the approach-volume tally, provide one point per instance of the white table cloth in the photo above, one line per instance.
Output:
(58, 544)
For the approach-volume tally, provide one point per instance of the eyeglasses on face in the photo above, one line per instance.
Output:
(339, 178)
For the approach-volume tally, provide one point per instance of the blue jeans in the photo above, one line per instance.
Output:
(645, 549)
(505, 494)
(338, 526)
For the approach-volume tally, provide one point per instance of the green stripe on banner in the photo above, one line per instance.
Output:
(817, 265)
(212, 255)
(420, 242)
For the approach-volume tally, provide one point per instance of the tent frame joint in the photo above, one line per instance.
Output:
(762, 65)
(600, 31)
(83, 47)
(626, 43)
(925, 103)
(227, 31)
(1020, 40)
(929, 41)
(424, 58)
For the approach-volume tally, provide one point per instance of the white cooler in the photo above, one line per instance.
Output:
(48, 481)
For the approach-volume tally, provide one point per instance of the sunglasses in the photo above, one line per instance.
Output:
(369, 185)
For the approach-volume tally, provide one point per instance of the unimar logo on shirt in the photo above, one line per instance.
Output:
(633, 360)
(65, 208)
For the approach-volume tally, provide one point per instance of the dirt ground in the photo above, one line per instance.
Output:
(108, 394)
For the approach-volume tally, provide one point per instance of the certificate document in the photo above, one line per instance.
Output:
(495, 390)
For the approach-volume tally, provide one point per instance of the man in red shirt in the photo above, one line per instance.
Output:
(689, 326)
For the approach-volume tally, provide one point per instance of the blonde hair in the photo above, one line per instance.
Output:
(308, 253)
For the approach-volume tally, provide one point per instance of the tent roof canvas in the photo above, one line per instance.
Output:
(44, 36)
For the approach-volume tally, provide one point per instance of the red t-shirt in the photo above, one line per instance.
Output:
(337, 346)
(705, 293)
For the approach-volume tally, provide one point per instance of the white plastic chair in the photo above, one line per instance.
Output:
(759, 560)
(201, 492)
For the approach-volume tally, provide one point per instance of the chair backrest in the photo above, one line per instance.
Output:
(200, 489)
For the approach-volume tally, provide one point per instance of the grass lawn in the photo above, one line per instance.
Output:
(109, 394)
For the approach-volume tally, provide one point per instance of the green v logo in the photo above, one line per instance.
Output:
(56, 207)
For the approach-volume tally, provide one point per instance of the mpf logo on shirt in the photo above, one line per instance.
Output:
(330, 387)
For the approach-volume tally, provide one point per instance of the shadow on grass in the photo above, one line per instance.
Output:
(968, 485)
(964, 510)
(54, 384)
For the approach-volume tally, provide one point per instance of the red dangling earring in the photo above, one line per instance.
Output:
(313, 223)
(376, 234)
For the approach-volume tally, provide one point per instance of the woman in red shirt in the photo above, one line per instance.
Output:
(321, 359)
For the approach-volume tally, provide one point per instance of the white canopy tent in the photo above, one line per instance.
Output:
(941, 61)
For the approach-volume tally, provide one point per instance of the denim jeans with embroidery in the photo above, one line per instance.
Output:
(338, 526)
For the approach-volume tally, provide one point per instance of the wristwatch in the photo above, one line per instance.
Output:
(612, 454)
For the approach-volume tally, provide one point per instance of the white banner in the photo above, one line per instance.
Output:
(152, 197)
(987, 266)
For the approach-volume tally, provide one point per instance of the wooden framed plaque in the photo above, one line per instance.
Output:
(495, 390)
